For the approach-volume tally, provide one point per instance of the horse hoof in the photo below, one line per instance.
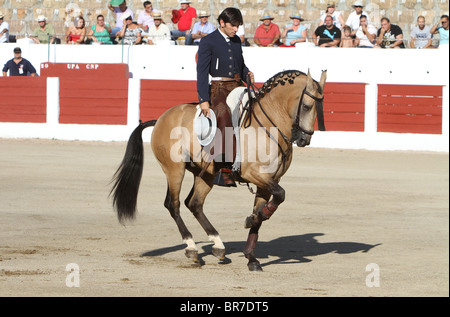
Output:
(254, 267)
(193, 255)
(218, 253)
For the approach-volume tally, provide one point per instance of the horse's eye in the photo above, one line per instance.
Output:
(306, 107)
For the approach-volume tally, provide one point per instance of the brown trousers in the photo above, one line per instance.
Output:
(219, 93)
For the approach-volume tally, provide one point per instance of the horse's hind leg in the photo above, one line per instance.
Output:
(172, 203)
(195, 202)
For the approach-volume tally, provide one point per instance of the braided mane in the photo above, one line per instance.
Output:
(280, 78)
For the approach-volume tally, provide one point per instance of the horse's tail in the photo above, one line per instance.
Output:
(128, 176)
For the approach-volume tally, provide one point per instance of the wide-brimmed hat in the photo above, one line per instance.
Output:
(183, 1)
(2, 15)
(157, 16)
(41, 18)
(116, 2)
(266, 17)
(331, 4)
(297, 16)
(205, 128)
(202, 13)
(125, 16)
(358, 4)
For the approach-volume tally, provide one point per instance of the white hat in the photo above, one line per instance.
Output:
(125, 16)
(182, 1)
(205, 128)
(1, 15)
(41, 18)
(358, 4)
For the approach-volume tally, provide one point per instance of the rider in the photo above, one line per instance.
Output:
(220, 55)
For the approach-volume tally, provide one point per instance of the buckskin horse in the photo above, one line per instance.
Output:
(285, 108)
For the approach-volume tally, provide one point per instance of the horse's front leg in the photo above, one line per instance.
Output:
(263, 210)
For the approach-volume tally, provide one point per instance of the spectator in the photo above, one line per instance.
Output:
(347, 39)
(76, 33)
(44, 33)
(390, 35)
(421, 34)
(338, 20)
(18, 66)
(4, 29)
(241, 34)
(185, 18)
(145, 19)
(366, 34)
(100, 32)
(119, 8)
(442, 30)
(159, 32)
(131, 33)
(267, 34)
(202, 28)
(327, 35)
(294, 33)
(353, 19)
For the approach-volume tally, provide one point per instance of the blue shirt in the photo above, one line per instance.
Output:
(294, 35)
(208, 28)
(443, 35)
(20, 69)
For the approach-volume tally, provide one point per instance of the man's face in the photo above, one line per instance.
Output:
(157, 22)
(41, 24)
(329, 21)
(149, 8)
(358, 9)
(17, 55)
(421, 23)
(444, 22)
(363, 22)
(385, 25)
(184, 6)
(204, 20)
(267, 22)
(229, 29)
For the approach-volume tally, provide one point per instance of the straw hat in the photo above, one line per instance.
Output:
(297, 16)
(157, 16)
(205, 128)
(331, 4)
(202, 13)
(1, 15)
(266, 17)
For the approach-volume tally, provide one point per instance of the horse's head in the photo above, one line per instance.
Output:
(310, 107)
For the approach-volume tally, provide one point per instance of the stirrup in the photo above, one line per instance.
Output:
(225, 178)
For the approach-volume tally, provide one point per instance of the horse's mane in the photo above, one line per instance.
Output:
(287, 76)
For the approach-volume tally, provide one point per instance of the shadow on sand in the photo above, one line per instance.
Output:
(287, 250)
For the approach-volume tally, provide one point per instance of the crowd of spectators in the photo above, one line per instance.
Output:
(191, 25)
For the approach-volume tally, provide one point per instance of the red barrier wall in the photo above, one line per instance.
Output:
(410, 109)
(23, 99)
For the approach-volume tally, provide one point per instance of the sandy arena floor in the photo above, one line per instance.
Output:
(345, 211)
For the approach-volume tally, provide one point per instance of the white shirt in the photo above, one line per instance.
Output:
(335, 16)
(363, 39)
(146, 19)
(159, 35)
(353, 20)
(4, 37)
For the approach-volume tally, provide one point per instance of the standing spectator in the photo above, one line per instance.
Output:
(338, 20)
(347, 39)
(442, 30)
(327, 35)
(421, 34)
(390, 35)
(145, 19)
(267, 34)
(18, 66)
(185, 18)
(44, 33)
(159, 32)
(4, 29)
(295, 32)
(100, 32)
(366, 34)
(131, 33)
(353, 19)
(76, 33)
(119, 8)
(202, 28)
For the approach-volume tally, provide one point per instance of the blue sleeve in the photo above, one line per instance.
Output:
(6, 67)
(31, 68)
(203, 66)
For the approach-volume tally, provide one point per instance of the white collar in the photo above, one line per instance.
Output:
(226, 37)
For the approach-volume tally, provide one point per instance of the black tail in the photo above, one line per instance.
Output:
(128, 176)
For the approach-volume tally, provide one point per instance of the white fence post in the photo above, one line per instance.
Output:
(52, 100)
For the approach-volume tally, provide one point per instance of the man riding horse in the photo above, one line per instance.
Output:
(220, 55)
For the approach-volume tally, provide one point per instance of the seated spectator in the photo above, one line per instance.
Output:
(19, 66)
(202, 28)
(390, 35)
(267, 34)
(4, 29)
(442, 30)
(327, 35)
(131, 33)
(76, 33)
(185, 18)
(353, 18)
(347, 39)
(338, 20)
(100, 32)
(119, 8)
(145, 18)
(44, 33)
(421, 34)
(159, 32)
(366, 34)
(294, 33)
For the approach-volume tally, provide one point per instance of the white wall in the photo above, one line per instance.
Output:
(371, 66)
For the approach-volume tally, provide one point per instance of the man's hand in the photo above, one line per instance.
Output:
(205, 109)
(252, 77)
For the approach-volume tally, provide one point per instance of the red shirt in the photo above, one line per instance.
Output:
(186, 18)
(266, 37)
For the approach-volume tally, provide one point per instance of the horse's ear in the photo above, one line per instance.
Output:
(323, 79)
(309, 82)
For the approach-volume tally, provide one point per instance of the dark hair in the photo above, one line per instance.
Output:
(444, 16)
(100, 16)
(231, 15)
(363, 16)
(146, 3)
(385, 19)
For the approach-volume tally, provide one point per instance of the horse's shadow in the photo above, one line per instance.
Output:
(286, 250)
